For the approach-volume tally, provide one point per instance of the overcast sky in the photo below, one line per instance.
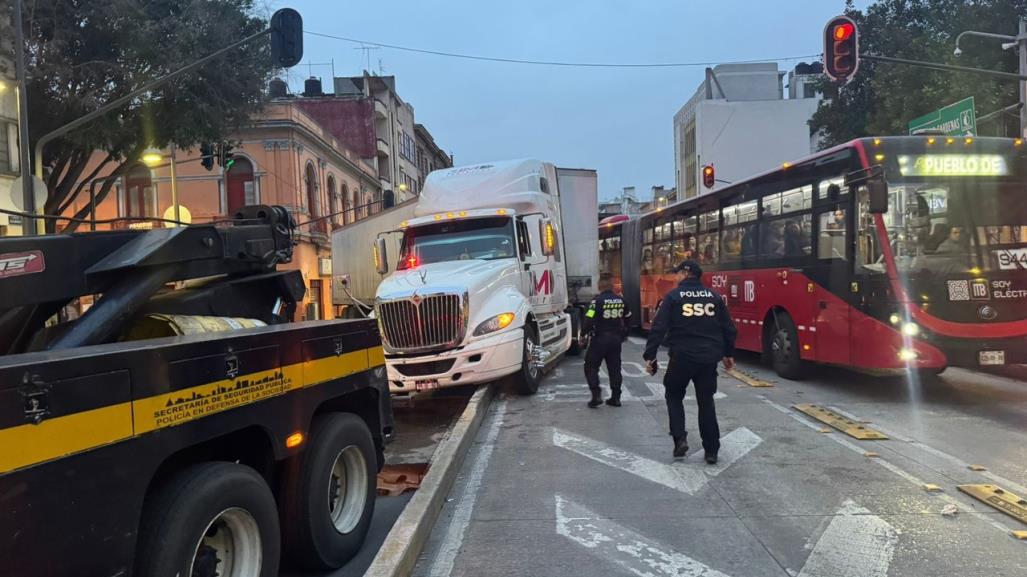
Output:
(616, 120)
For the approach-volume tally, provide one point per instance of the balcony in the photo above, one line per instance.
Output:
(381, 112)
(383, 148)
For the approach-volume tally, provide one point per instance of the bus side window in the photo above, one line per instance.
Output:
(831, 244)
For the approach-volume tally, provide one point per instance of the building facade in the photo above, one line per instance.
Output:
(369, 117)
(739, 121)
(285, 157)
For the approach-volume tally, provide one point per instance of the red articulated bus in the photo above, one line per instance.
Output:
(813, 272)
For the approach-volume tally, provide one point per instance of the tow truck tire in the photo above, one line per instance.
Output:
(527, 379)
(191, 522)
(328, 493)
(784, 349)
(575, 350)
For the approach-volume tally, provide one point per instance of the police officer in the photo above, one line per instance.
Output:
(699, 333)
(607, 318)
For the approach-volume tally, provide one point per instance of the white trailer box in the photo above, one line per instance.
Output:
(579, 205)
(352, 259)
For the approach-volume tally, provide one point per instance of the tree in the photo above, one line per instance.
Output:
(882, 98)
(82, 54)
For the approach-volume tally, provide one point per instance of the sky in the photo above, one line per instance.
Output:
(618, 121)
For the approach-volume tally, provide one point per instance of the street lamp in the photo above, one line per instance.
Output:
(1020, 40)
(152, 157)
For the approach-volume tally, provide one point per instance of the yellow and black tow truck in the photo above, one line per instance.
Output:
(183, 425)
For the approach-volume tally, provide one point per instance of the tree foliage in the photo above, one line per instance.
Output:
(884, 97)
(82, 54)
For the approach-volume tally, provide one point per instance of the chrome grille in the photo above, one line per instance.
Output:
(419, 323)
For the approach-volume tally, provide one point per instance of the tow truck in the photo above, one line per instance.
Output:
(183, 424)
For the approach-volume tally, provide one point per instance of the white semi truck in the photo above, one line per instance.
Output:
(491, 277)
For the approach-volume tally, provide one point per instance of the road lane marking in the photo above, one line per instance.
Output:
(637, 341)
(855, 544)
(997, 479)
(688, 476)
(890, 466)
(850, 427)
(452, 541)
(624, 547)
(686, 480)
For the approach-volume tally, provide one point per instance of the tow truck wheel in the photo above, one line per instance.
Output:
(784, 348)
(526, 380)
(328, 493)
(210, 520)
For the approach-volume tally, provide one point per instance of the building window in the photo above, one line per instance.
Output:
(140, 198)
(242, 187)
(8, 147)
(310, 181)
(333, 201)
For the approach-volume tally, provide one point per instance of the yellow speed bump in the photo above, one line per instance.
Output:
(748, 379)
(851, 428)
(1022, 535)
(999, 498)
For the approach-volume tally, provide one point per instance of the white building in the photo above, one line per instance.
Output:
(739, 121)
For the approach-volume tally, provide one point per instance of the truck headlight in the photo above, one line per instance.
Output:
(500, 321)
(910, 329)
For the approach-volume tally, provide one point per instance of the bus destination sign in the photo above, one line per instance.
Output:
(952, 165)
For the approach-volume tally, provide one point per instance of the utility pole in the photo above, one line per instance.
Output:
(25, 163)
(1019, 42)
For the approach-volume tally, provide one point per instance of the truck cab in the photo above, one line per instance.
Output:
(480, 288)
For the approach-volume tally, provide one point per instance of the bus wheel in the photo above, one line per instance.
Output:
(527, 379)
(328, 493)
(784, 349)
(210, 520)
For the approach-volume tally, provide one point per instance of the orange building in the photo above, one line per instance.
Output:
(284, 158)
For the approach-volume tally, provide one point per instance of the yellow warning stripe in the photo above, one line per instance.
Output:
(30, 444)
(747, 379)
(999, 498)
(843, 424)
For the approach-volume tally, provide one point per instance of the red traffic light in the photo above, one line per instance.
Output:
(841, 49)
(708, 176)
(843, 31)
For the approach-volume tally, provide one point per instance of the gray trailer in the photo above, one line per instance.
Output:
(579, 205)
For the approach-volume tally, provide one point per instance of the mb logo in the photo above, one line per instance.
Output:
(750, 291)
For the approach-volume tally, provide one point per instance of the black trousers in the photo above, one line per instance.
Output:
(604, 347)
(675, 382)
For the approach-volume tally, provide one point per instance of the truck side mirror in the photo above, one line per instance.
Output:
(381, 258)
(877, 195)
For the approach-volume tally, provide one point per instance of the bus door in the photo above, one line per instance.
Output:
(833, 227)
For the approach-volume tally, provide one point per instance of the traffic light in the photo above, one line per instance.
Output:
(226, 156)
(841, 49)
(207, 156)
(286, 38)
(709, 178)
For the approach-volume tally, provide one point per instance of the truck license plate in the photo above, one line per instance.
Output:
(426, 385)
(991, 357)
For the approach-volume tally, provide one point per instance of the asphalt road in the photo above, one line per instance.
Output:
(552, 488)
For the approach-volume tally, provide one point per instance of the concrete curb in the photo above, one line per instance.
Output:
(404, 543)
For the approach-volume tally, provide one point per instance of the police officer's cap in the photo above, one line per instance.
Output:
(691, 266)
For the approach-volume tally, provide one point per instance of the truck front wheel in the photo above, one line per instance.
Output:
(328, 493)
(526, 380)
(210, 520)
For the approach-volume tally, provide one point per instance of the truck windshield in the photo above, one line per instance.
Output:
(471, 239)
(951, 227)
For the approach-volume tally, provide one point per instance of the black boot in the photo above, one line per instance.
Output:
(597, 400)
(614, 400)
(680, 446)
(711, 458)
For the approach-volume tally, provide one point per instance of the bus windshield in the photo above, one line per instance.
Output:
(952, 227)
(471, 239)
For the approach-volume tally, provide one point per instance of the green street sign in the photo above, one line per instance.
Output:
(959, 119)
